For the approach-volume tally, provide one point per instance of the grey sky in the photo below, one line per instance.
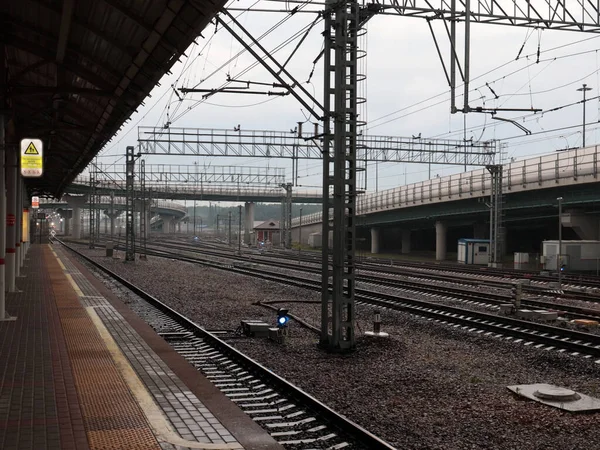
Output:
(403, 70)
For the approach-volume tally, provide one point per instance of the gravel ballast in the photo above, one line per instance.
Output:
(428, 386)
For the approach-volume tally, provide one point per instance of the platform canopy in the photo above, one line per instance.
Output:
(73, 71)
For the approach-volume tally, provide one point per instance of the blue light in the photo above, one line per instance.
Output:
(283, 320)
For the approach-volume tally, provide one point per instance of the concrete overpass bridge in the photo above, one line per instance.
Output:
(452, 207)
(71, 207)
(202, 193)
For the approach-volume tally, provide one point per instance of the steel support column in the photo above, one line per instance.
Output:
(92, 207)
(11, 229)
(340, 109)
(143, 207)
(18, 228)
(129, 204)
(249, 221)
(286, 217)
(3, 230)
(496, 211)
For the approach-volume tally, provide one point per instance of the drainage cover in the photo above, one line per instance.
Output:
(557, 396)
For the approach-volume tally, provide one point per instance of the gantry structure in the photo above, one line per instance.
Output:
(338, 140)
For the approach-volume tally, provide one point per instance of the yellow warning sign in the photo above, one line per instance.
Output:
(32, 161)
(31, 150)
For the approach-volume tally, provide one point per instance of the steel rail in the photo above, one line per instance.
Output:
(576, 341)
(337, 421)
(461, 294)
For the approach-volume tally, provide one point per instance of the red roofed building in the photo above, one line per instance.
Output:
(267, 231)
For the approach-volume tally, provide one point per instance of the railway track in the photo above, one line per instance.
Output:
(520, 331)
(429, 271)
(294, 418)
(461, 294)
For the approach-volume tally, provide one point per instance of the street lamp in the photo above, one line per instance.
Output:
(558, 256)
(584, 89)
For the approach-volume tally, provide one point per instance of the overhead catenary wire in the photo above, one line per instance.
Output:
(373, 121)
(247, 69)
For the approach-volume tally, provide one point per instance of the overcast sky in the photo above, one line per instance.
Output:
(407, 92)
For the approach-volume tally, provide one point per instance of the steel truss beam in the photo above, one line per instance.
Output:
(549, 14)
(158, 174)
(279, 144)
(579, 16)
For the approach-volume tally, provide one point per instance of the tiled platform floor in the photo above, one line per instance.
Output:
(75, 374)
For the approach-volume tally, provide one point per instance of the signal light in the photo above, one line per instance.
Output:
(282, 317)
(563, 267)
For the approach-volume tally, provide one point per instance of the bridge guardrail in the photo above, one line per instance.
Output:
(212, 190)
(568, 167)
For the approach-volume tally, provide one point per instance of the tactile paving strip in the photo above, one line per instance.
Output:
(112, 417)
(190, 418)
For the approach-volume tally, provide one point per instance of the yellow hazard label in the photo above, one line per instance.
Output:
(32, 162)
(31, 150)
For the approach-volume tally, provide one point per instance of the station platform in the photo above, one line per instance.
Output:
(79, 370)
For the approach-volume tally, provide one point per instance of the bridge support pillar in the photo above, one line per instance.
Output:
(112, 216)
(76, 203)
(405, 242)
(248, 221)
(479, 230)
(66, 226)
(148, 218)
(167, 225)
(440, 240)
(375, 240)
(179, 226)
(76, 222)
(585, 226)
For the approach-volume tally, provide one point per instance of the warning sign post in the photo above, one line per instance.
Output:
(32, 161)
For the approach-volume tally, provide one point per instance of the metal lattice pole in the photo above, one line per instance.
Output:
(341, 41)
(129, 204)
(282, 228)
(288, 216)
(240, 229)
(112, 215)
(229, 232)
(496, 214)
(143, 210)
(92, 203)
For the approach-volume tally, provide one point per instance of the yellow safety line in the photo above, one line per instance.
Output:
(60, 263)
(74, 285)
(162, 428)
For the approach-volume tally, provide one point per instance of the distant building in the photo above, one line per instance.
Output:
(267, 231)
